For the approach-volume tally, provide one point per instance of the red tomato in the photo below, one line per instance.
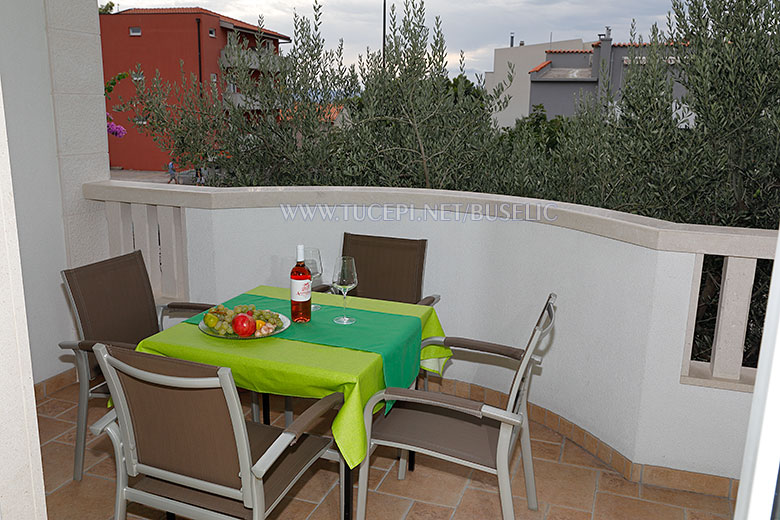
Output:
(243, 325)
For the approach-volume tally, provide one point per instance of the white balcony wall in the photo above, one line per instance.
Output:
(613, 366)
(51, 67)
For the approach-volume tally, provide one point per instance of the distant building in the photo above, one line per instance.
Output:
(159, 39)
(566, 74)
(523, 57)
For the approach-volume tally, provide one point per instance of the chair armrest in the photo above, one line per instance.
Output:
(102, 423)
(312, 413)
(88, 344)
(187, 306)
(477, 345)
(430, 301)
(499, 414)
(450, 402)
(322, 288)
(273, 452)
(290, 435)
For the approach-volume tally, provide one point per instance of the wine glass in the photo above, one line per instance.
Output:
(313, 263)
(345, 279)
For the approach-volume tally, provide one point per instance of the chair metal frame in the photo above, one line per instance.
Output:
(118, 424)
(513, 419)
(83, 347)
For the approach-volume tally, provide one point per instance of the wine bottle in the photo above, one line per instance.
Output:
(300, 289)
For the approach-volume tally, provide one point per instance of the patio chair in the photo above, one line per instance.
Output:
(460, 430)
(113, 302)
(389, 268)
(179, 430)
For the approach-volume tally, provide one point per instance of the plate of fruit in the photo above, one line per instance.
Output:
(242, 322)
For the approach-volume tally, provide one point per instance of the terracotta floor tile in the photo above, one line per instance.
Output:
(379, 507)
(316, 482)
(49, 428)
(90, 499)
(97, 408)
(54, 407)
(484, 505)
(106, 468)
(701, 515)
(487, 481)
(564, 513)
(615, 507)
(68, 393)
(383, 457)
(543, 433)
(40, 393)
(573, 454)
(423, 511)
(100, 446)
(433, 480)
(686, 499)
(560, 484)
(375, 477)
(291, 509)
(58, 464)
(69, 437)
(614, 483)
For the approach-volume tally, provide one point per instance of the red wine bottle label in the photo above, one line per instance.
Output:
(300, 290)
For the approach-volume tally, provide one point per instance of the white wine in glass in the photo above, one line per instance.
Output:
(345, 279)
(313, 262)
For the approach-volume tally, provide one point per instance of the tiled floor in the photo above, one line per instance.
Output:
(572, 485)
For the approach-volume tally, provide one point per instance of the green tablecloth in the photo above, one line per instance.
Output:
(277, 365)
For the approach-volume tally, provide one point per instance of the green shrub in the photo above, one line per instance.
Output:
(709, 157)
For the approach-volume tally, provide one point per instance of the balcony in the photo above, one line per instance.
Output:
(624, 421)
(618, 385)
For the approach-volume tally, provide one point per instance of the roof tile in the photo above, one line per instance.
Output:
(201, 10)
(569, 51)
(540, 66)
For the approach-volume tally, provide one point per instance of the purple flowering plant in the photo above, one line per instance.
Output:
(113, 128)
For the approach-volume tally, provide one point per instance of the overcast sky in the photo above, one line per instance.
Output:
(477, 28)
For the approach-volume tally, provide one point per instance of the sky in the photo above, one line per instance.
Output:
(477, 28)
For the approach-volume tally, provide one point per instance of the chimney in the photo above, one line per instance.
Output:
(512, 39)
(602, 55)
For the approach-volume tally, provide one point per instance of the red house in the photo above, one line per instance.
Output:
(159, 39)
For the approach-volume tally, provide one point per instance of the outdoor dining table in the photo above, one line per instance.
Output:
(315, 359)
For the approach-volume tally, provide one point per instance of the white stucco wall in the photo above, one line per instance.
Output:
(21, 476)
(54, 107)
(613, 366)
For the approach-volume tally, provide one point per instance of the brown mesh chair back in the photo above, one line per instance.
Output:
(186, 431)
(388, 268)
(113, 299)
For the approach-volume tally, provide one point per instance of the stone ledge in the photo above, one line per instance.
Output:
(643, 231)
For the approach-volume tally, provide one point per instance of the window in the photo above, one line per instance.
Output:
(212, 33)
(135, 31)
(213, 77)
(136, 75)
